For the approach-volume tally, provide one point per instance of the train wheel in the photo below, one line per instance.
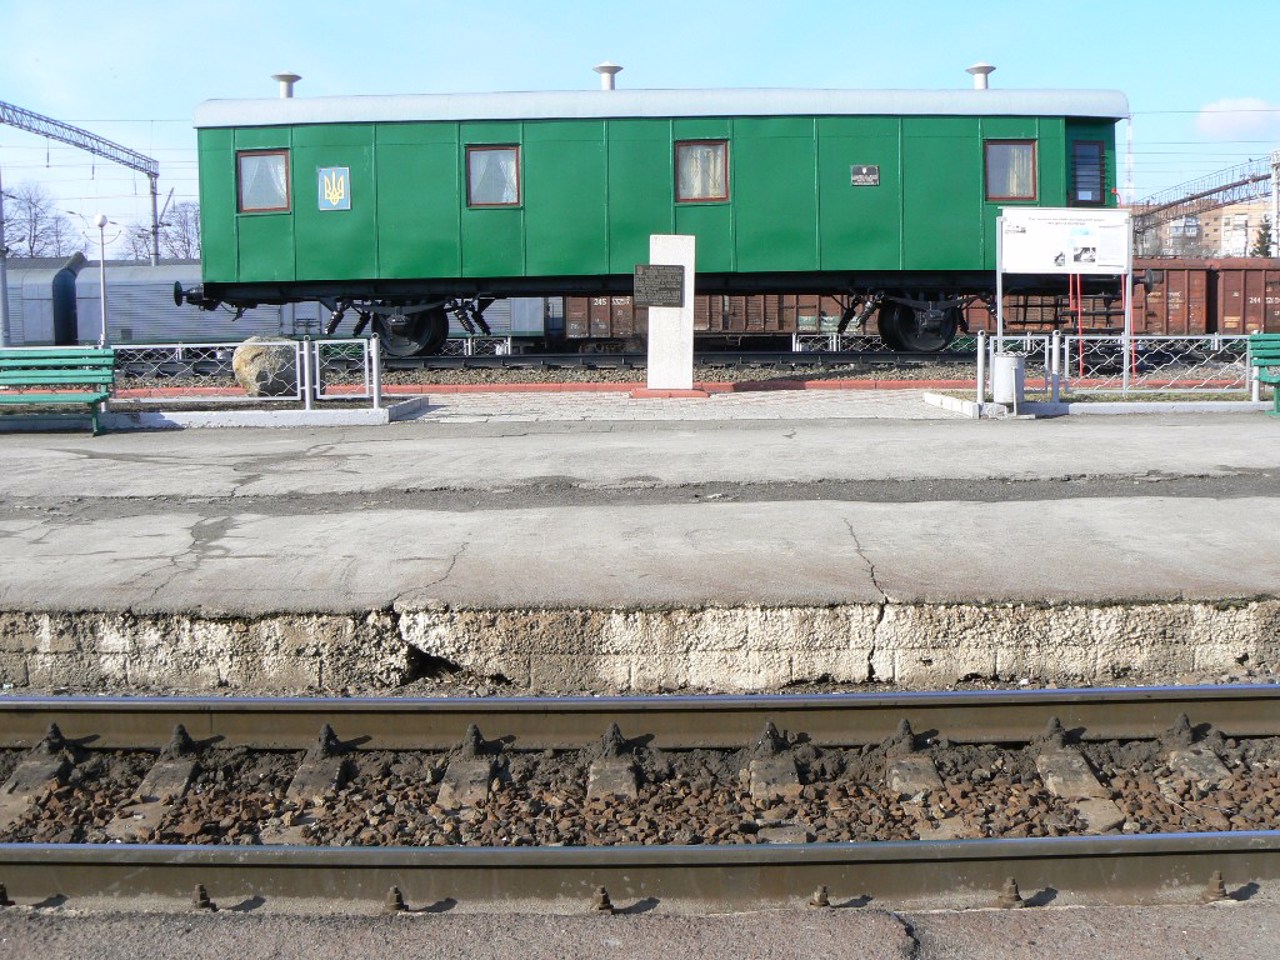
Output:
(903, 328)
(414, 334)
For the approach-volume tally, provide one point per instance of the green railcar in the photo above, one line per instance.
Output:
(401, 208)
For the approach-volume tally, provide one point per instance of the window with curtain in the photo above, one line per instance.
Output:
(702, 170)
(493, 176)
(1011, 169)
(264, 180)
(1088, 173)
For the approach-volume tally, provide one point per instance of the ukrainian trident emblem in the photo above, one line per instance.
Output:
(335, 191)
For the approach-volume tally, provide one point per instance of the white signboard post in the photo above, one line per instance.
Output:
(670, 365)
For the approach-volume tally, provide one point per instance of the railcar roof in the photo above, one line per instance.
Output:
(605, 104)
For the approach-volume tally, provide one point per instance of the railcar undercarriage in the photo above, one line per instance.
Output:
(916, 313)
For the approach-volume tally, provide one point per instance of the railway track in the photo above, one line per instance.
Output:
(1113, 796)
(779, 360)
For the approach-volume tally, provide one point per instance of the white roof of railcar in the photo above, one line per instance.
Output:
(604, 104)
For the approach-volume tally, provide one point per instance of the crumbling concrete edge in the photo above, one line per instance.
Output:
(739, 649)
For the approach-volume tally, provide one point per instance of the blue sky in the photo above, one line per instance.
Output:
(1205, 94)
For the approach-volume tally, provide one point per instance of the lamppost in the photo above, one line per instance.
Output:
(100, 221)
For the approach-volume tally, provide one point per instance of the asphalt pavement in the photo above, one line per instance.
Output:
(603, 500)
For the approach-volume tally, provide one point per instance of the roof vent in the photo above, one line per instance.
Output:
(980, 72)
(607, 72)
(286, 81)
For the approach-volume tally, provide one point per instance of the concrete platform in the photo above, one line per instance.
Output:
(581, 541)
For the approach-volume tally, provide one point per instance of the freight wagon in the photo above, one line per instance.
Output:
(1173, 298)
(403, 210)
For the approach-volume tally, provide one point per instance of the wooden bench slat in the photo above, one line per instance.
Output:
(17, 399)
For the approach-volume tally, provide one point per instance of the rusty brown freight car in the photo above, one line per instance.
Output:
(1186, 297)
(731, 317)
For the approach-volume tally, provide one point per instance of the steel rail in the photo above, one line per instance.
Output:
(638, 361)
(663, 722)
(1094, 870)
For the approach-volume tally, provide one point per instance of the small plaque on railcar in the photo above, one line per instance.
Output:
(864, 176)
(659, 285)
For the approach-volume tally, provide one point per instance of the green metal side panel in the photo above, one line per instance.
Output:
(420, 195)
(711, 223)
(565, 198)
(265, 240)
(641, 177)
(492, 238)
(217, 205)
(860, 227)
(774, 194)
(943, 193)
(335, 244)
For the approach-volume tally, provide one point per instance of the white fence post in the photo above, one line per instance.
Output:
(375, 359)
(981, 383)
(1055, 366)
(304, 349)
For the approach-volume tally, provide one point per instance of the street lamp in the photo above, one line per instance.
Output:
(100, 221)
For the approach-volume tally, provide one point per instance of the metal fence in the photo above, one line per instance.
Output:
(1057, 363)
(478, 347)
(836, 343)
(307, 371)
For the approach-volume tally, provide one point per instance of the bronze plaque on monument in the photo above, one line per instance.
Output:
(659, 285)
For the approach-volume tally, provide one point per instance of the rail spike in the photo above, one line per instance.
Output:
(600, 902)
(394, 901)
(770, 743)
(1010, 898)
(1054, 735)
(1181, 734)
(54, 742)
(179, 745)
(1217, 889)
(613, 745)
(326, 745)
(902, 742)
(473, 744)
(200, 899)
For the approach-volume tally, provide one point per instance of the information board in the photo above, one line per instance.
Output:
(1065, 240)
(659, 285)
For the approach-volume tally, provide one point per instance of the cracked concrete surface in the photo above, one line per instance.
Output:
(730, 554)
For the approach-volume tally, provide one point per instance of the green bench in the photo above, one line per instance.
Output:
(57, 376)
(1264, 354)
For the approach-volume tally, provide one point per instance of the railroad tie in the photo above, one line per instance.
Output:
(613, 773)
(164, 785)
(324, 769)
(468, 776)
(1067, 775)
(45, 765)
(912, 776)
(1191, 759)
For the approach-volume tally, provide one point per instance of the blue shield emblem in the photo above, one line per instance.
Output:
(335, 188)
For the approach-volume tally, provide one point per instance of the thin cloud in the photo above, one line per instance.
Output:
(1239, 117)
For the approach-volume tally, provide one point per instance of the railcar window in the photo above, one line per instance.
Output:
(264, 180)
(1011, 169)
(702, 170)
(493, 176)
(1088, 176)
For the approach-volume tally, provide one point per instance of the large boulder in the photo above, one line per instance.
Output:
(266, 368)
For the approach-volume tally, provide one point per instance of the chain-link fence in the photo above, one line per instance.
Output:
(478, 347)
(836, 343)
(299, 371)
(1056, 364)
